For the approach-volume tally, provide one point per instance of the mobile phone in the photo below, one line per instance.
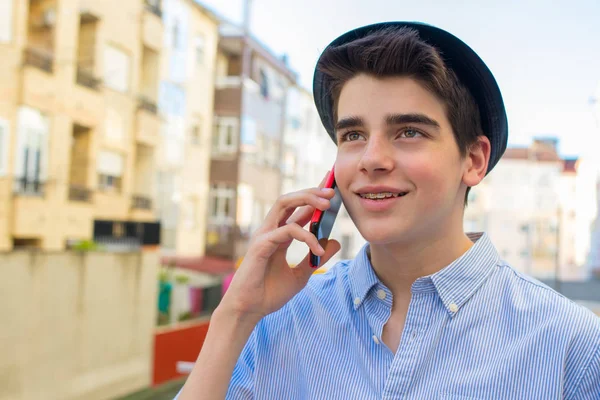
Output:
(322, 222)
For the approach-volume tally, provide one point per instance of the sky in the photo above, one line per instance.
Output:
(546, 58)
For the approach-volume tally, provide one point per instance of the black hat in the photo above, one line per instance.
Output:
(466, 64)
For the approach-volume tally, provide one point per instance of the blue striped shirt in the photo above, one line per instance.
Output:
(476, 329)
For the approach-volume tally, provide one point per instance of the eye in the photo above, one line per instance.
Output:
(410, 133)
(351, 136)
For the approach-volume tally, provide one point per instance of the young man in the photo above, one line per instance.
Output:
(424, 311)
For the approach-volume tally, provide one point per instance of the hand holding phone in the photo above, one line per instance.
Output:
(322, 222)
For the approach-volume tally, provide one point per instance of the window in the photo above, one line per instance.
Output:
(176, 32)
(116, 69)
(199, 45)
(264, 84)
(272, 152)
(4, 143)
(172, 99)
(110, 171)
(222, 198)
(114, 127)
(32, 150)
(225, 135)
(6, 19)
(195, 135)
(196, 131)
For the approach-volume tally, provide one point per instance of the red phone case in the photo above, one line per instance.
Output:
(318, 214)
(328, 184)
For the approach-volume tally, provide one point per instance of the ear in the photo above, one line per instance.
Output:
(476, 161)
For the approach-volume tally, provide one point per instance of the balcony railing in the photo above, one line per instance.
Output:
(141, 203)
(27, 187)
(87, 79)
(80, 193)
(144, 103)
(154, 7)
(39, 59)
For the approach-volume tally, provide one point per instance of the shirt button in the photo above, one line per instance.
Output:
(453, 307)
(381, 294)
(357, 301)
(375, 339)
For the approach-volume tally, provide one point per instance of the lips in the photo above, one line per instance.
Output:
(380, 201)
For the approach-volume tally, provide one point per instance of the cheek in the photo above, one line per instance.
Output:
(434, 175)
(345, 168)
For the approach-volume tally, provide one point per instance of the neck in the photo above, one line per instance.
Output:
(398, 265)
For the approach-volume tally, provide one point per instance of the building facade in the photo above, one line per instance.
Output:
(537, 208)
(186, 108)
(77, 132)
(249, 119)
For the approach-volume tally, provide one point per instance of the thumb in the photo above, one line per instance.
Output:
(330, 246)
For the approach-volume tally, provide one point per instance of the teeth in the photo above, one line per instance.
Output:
(383, 195)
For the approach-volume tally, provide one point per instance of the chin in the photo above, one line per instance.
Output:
(383, 232)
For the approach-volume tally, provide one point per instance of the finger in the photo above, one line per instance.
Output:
(284, 236)
(302, 216)
(285, 205)
(331, 247)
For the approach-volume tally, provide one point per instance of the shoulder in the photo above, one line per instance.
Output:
(528, 295)
(558, 317)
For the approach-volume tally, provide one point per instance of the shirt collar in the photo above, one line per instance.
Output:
(455, 284)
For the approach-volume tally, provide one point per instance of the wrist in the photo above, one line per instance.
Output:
(224, 315)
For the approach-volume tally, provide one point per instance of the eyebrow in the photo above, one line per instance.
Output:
(392, 119)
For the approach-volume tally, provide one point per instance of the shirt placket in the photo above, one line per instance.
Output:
(406, 360)
(378, 308)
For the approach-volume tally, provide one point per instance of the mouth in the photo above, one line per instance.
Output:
(381, 195)
(380, 201)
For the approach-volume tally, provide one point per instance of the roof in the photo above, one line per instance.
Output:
(230, 31)
(570, 165)
(539, 152)
(516, 153)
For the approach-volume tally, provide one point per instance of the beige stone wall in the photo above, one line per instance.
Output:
(76, 326)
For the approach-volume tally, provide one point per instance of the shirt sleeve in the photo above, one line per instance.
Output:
(241, 386)
(588, 387)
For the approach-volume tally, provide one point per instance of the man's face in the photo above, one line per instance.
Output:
(394, 138)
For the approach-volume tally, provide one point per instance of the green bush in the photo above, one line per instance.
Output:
(86, 245)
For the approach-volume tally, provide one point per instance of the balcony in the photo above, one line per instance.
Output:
(147, 123)
(144, 103)
(154, 7)
(38, 58)
(80, 194)
(87, 79)
(139, 202)
(26, 187)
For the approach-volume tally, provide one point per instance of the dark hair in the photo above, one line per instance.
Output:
(400, 52)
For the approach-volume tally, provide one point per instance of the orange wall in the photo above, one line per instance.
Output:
(181, 343)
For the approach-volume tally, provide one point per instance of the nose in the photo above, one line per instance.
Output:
(377, 155)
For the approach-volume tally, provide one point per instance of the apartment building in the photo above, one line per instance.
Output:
(308, 154)
(537, 208)
(245, 172)
(186, 106)
(78, 129)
